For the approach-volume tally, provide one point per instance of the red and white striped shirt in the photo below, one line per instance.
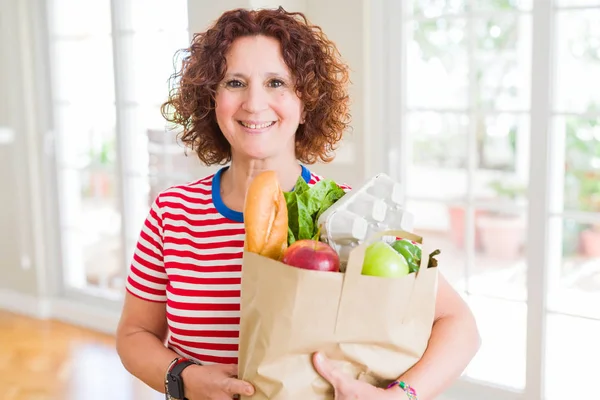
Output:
(189, 255)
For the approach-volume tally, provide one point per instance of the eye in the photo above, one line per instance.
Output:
(275, 83)
(234, 83)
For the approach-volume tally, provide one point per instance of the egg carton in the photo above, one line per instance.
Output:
(374, 207)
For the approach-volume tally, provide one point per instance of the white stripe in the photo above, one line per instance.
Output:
(150, 246)
(148, 284)
(192, 206)
(205, 228)
(191, 192)
(144, 295)
(148, 271)
(203, 252)
(211, 239)
(204, 327)
(186, 355)
(207, 352)
(211, 340)
(204, 274)
(204, 263)
(204, 299)
(203, 314)
(147, 258)
(157, 238)
(195, 286)
(154, 221)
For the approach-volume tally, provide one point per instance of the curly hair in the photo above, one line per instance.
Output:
(321, 80)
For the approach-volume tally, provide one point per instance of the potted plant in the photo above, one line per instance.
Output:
(503, 233)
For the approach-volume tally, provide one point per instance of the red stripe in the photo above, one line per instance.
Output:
(206, 268)
(145, 289)
(208, 222)
(203, 186)
(143, 249)
(147, 264)
(205, 357)
(204, 306)
(205, 280)
(201, 333)
(151, 227)
(143, 298)
(204, 320)
(189, 211)
(204, 245)
(189, 199)
(205, 293)
(206, 346)
(151, 240)
(149, 278)
(202, 257)
(208, 234)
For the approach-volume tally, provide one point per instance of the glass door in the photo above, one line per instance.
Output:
(110, 64)
(466, 150)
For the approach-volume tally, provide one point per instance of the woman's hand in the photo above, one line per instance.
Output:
(214, 382)
(347, 388)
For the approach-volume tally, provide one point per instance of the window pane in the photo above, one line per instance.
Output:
(437, 63)
(86, 136)
(503, 328)
(571, 3)
(502, 5)
(500, 267)
(438, 143)
(91, 228)
(575, 282)
(77, 17)
(572, 355)
(83, 70)
(578, 61)
(582, 162)
(444, 228)
(503, 62)
(436, 8)
(148, 63)
(154, 15)
(502, 153)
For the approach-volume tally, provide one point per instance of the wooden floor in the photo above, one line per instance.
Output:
(42, 360)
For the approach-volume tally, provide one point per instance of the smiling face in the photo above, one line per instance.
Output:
(257, 107)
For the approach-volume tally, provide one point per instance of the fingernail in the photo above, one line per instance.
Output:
(319, 357)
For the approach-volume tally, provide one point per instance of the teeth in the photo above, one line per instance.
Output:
(259, 126)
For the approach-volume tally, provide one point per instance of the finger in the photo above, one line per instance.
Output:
(233, 386)
(327, 370)
(230, 370)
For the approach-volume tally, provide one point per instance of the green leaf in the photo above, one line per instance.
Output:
(290, 238)
(305, 205)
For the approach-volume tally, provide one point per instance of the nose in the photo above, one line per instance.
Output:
(256, 99)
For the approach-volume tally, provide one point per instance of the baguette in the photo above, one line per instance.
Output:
(266, 217)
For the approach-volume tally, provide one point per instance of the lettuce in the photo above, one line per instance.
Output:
(305, 205)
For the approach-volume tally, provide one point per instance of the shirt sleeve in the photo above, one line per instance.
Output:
(147, 278)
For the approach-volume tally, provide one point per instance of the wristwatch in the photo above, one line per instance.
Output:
(173, 379)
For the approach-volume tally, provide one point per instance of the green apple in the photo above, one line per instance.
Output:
(382, 260)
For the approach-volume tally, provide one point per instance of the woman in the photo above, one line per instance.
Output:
(260, 90)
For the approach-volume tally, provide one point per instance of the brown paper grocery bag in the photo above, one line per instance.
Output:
(375, 328)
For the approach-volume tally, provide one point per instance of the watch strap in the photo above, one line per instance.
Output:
(174, 389)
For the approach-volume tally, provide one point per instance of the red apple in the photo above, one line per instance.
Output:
(313, 255)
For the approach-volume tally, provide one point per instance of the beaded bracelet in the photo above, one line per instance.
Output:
(410, 392)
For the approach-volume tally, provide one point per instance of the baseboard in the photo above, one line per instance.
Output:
(24, 304)
(64, 310)
(84, 315)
